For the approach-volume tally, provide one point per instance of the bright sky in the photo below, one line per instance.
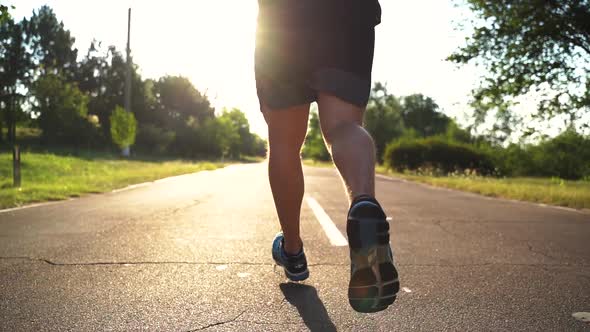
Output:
(212, 43)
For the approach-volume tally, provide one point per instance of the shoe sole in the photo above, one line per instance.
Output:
(296, 276)
(375, 283)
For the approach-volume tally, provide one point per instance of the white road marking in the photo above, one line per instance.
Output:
(406, 289)
(33, 205)
(243, 274)
(582, 316)
(134, 186)
(221, 267)
(380, 176)
(336, 238)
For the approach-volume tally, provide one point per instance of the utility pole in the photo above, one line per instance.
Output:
(126, 150)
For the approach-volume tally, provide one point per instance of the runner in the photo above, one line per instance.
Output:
(322, 51)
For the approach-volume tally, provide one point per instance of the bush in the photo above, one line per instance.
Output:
(437, 154)
(154, 139)
(123, 127)
(566, 156)
(514, 160)
(314, 147)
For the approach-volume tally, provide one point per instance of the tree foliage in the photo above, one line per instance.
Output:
(383, 118)
(180, 102)
(61, 110)
(314, 147)
(565, 156)
(154, 139)
(15, 66)
(240, 140)
(388, 118)
(536, 47)
(123, 127)
(4, 14)
(43, 82)
(52, 45)
(421, 114)
(101, 75)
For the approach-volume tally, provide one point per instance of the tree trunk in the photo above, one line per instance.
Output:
(11, 121)
(1, 129)
(12, 130)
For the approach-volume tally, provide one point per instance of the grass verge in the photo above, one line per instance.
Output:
(573, 194)
(47, 176)
(552, 191)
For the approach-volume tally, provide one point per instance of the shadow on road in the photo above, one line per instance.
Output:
(311, 309)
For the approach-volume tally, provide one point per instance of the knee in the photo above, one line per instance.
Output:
(285, 147)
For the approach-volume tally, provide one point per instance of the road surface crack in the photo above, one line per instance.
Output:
(446, 230)
(130, 263)
(219, 323)
(322, 323)
(138, 263)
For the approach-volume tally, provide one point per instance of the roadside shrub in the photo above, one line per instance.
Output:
(566, 156)
(153, 139)
(123, 127)
(314, 147)
(438, 154)
(514, 160)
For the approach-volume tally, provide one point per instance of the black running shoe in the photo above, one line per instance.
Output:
(374, 280)
(295, 266)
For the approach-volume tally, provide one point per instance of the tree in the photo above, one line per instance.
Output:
(421, 113)
(258, 147)
(383, 118)
(243, 143)
(61, 110)
(101, 74)
(179, 102)
(536, 46)
(565, 156)
(181, 108)
(52, 44)
(123, 127)
(15, 66)
(227, 137)
(455, 133)
(4, 14)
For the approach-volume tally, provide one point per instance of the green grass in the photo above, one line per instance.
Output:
(47, 176)
(573, 194)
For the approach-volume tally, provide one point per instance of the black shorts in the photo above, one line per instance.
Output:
(307, 46)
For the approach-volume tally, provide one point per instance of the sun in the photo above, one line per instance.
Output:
(209, 41)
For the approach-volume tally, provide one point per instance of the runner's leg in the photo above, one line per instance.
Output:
(286, 132)
(374, 280)
(351, 146)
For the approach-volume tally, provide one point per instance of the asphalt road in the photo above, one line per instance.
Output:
(192, 253)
